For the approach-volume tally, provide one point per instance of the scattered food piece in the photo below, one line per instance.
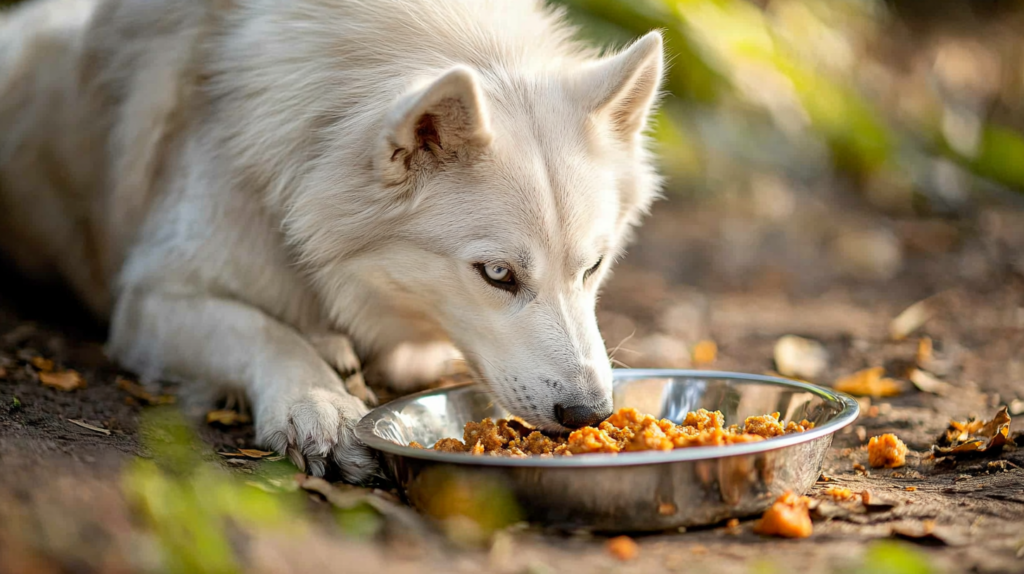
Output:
(65, 380)
(622, 548)
(86, 425)
(911, 319)
(137, 391)
(705, 353)
(970, 437)
(924, 352)
(872, 411)
(840, 494)
(926, 382)
(415, 444)
(733, 523)
(625, 431)
(862, 433)
(666, 509)
(788, 517)
(1016, 406)
(910, 488)
(226, 418)
(42, 364)
(869, 383)
(859, 467)
(887, 451)
(800, 357)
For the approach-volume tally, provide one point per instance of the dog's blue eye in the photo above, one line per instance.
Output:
(497, 273)
(498, 276)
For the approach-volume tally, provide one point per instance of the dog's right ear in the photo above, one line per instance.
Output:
(444, 121)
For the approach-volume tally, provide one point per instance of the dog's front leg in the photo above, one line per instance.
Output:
(300, 404)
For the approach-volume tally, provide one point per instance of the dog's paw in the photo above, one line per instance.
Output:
(317, 428)
(337, 350)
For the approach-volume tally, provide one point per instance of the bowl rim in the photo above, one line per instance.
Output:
(848, 413)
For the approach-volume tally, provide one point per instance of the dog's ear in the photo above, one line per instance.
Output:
(440, 122)
(621, 90)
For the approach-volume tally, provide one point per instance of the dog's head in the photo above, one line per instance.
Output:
(515, 195)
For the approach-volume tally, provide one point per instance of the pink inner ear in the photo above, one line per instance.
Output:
(426, 133)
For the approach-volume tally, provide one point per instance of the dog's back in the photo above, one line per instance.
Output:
(90, 91)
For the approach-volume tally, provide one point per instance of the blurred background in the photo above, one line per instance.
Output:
(831, 165)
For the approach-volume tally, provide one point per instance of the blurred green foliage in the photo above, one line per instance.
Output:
(189, 505)
(801, 74)
(889, 557)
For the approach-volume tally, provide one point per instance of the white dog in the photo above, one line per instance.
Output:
(243, 187)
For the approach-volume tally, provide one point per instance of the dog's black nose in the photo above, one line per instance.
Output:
(578, 416)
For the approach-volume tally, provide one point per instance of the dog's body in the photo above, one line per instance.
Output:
(243, 187)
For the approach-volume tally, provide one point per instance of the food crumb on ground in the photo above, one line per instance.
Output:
(886, 451)
(910, 488)
(622, 548)
(788, 517)
(704, 353)
(840, 494)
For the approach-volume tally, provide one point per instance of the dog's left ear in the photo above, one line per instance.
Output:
(621, 90)
(440, 122)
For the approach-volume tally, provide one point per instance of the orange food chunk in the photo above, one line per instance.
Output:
(623, 548)
(840, 494)
(765, 426)
(788, 517)
(886, 451)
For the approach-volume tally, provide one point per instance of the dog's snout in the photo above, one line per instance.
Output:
(577, 416)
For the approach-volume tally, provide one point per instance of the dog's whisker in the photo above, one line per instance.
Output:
(611, 354)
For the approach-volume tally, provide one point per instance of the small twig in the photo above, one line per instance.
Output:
(86, 425)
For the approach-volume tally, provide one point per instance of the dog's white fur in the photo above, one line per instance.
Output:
(245, 186)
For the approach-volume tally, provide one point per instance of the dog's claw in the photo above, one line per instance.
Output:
(296, 457)
(315, 429)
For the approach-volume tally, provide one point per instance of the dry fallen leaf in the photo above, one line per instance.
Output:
(64, 380)
(928, 532)
(800, 357)
(252, 453)
(869, 383)
(964, 438)
(137, 391)
(704, 353)
(926, 382)
(911, 319)
(86, 425)
(226, 418)
(622, 548)
(42, 364)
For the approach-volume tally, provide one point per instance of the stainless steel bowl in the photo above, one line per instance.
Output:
(641, 491)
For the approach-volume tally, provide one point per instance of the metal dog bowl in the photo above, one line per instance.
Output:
(637, 491)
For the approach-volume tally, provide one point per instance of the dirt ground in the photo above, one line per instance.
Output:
(739, 277)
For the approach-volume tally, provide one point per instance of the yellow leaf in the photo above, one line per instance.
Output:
(869, 383)
(226, 418)
(64, 380)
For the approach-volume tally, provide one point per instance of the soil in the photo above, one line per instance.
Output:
(697, 272)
